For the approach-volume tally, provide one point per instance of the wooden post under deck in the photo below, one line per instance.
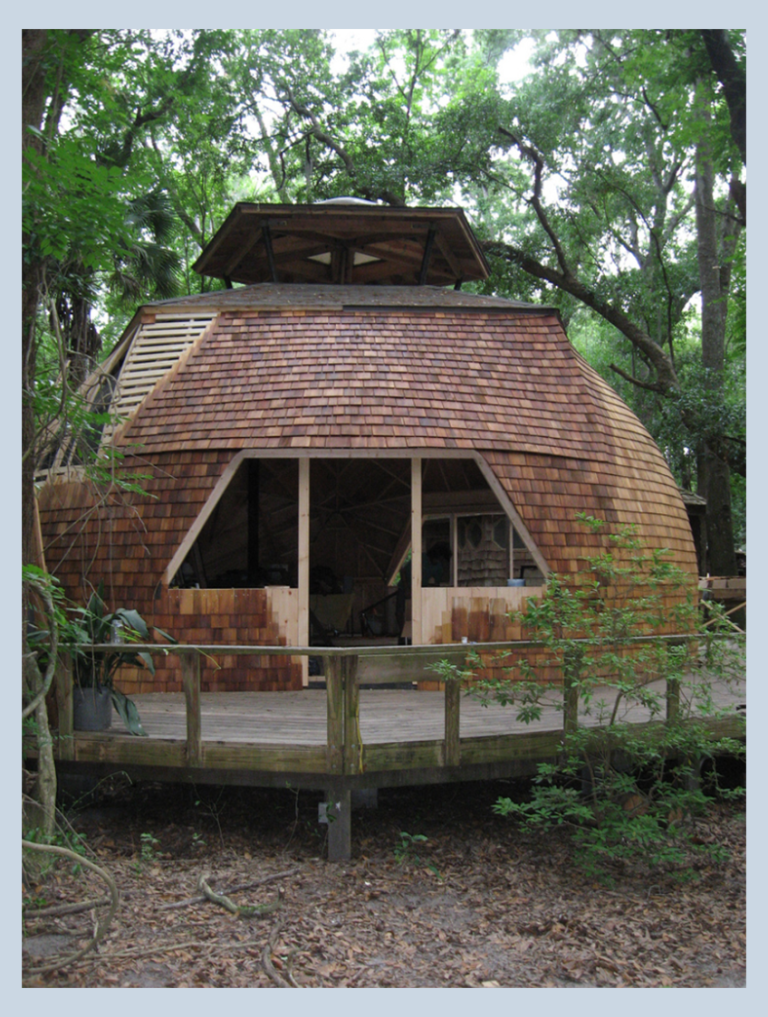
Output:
(343, 750)
(339, 815)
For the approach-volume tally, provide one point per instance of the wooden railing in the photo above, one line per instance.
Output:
(342, 763)
(346, 668)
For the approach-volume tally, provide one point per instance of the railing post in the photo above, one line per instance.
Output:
(190, 677)
(64, 685)
(452, 718)
(334, 689)
(571, 674)
(673, 689)
(353, 747)
(673, 700)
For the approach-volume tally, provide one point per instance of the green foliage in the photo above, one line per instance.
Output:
(629, 791)
(406, 851)
(150, 136)
(80, 628)
(36, 868)
(149, 845)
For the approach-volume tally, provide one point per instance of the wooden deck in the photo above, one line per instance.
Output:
(344, 737)
(387, 716)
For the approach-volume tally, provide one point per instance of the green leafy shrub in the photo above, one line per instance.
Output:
(628, 789)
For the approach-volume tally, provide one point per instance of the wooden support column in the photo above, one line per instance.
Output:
(190, 679)
(63, 682)
(417, 637)
(452, 715)
(343, 750)
(338, 812)
(303, 571)
(427, 255)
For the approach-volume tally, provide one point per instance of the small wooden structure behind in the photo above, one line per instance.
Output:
(300, 435)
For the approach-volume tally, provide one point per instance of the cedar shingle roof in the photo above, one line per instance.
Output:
(364, 375)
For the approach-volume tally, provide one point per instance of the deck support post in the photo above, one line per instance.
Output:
(344, 749)
(190, 679)
(673, 700)
(339, 815)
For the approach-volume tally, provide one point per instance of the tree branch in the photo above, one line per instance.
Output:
(666, 378)
(317, 131)
(650, 386)
(538, 168)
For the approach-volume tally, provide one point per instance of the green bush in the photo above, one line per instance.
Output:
(629, 791)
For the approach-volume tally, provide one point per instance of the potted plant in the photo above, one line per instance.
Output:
(93, 670)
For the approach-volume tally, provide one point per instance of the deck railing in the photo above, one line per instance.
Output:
(343, 764)
(346, 668)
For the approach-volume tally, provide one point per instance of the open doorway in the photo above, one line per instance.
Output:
(360, 510)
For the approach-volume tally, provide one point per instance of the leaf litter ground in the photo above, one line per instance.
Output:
(479, 903)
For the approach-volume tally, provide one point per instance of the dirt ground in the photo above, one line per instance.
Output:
(477, 903)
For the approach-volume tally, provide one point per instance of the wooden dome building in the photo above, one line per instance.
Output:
(301, 433)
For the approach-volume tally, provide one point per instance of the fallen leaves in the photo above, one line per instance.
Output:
(509, 910)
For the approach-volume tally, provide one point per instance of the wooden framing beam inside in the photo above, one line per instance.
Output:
(303, 570)
(416, 514)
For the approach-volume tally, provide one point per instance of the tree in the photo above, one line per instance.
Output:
(628, 120)
(85, 223)
(629, 792)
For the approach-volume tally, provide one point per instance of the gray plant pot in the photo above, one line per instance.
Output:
(92, 709)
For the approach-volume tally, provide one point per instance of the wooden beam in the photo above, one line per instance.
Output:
(339, 815)
(303, 564)
(353, 748)
(334, 690)
(266, 233)
(424, 271)
(416, 513)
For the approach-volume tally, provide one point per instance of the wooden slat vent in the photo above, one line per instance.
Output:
(157, 348)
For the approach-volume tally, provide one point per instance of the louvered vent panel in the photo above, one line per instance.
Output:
(155, 350)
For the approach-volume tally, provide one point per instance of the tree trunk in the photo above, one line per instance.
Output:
(33, 42)
(33, 105)
(713, 470)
